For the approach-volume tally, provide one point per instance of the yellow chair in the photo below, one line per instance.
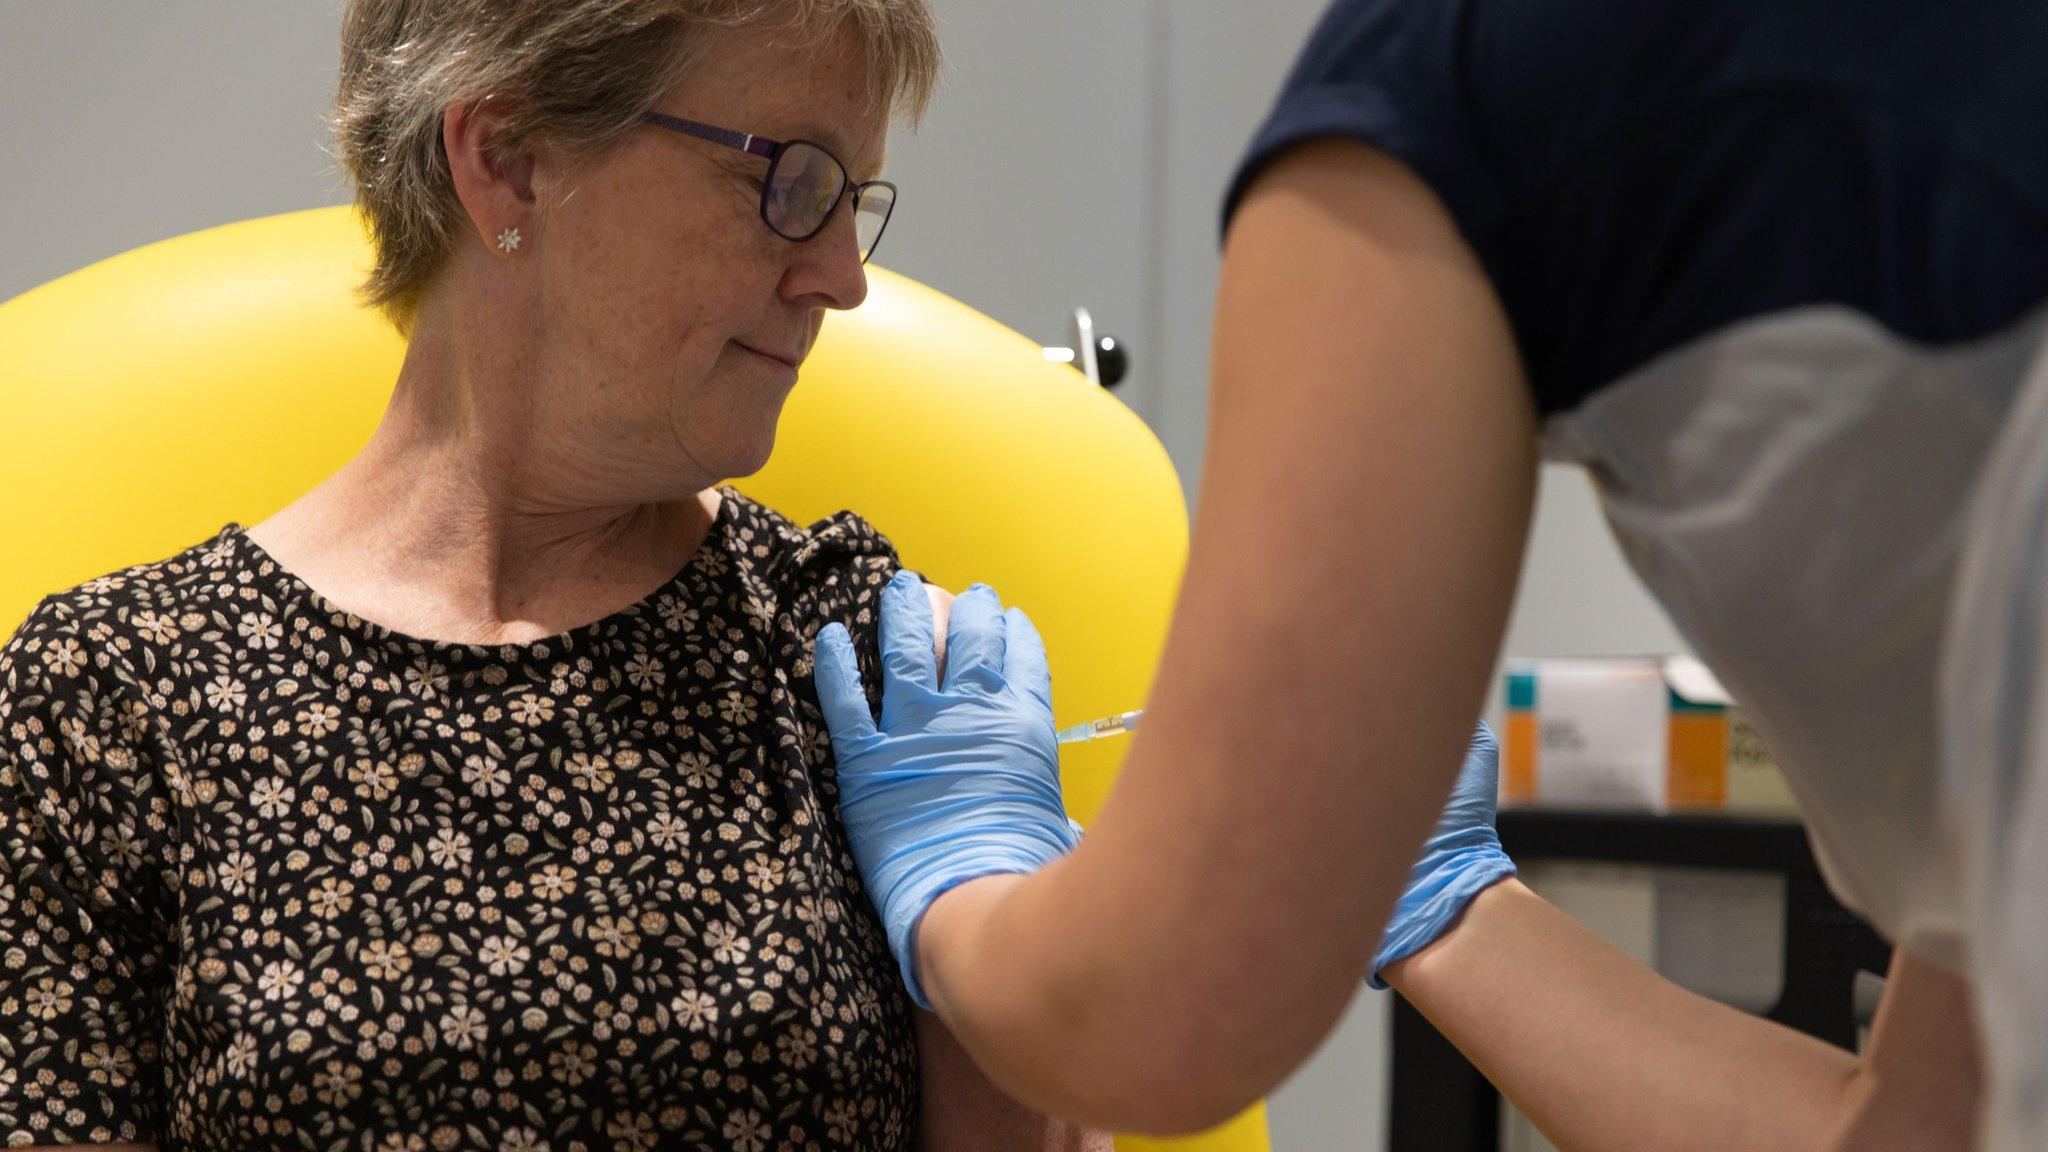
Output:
(150, 398)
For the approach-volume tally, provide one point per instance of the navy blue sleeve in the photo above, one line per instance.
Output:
(1390, 74)
(1638, 175)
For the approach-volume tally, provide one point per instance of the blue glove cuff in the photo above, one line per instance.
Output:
(1426, 914)
(903, 938)
(914, 885)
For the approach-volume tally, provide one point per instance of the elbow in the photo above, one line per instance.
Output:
(1146, 1030)
(1176, 1092)
(1212, 1051)
(1157, 1098)
(1203, 1078)
(1186, 1114)
(1175, 1073)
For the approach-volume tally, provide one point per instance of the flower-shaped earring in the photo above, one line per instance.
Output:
(508, 240)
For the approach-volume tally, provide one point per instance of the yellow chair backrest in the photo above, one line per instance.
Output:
(151, 398)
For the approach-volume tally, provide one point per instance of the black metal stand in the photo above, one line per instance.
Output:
(1440, 1103)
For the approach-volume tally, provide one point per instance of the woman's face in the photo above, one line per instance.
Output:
(670, 319)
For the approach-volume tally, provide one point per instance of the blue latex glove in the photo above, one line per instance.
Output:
(959, 780)
(1462, 857)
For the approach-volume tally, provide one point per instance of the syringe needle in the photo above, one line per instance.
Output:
(1115, 725)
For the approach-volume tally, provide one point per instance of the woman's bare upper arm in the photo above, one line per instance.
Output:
(942, 613)
(960, 1108)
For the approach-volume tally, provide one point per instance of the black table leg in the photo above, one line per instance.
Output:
(1438, 1101)
(1825, 946)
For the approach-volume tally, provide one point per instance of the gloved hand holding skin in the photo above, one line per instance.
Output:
(1461, 858)
(959, 779)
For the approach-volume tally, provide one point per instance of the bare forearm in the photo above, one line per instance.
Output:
(1607, 1056)
(1157, 1021)
(1168, 974)
(1371, 463)
(1209, 932)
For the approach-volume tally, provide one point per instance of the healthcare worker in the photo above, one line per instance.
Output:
(1774, 271)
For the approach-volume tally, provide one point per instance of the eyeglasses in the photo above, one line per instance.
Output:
(805, 184)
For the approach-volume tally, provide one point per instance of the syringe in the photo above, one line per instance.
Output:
(1115, 725)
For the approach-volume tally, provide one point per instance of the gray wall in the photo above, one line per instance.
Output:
(127, 123)
(1075, 157)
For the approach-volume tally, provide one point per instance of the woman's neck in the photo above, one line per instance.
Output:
(457, 522)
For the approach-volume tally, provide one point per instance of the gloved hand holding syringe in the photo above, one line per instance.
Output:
(959, 776)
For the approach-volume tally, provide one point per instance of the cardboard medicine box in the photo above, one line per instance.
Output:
(1648, 734)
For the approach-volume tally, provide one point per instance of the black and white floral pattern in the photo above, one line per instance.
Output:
(274, 876)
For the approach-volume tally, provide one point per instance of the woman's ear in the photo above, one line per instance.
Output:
(494, 184)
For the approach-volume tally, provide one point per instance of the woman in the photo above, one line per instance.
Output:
(476, 800)
(1775, 272)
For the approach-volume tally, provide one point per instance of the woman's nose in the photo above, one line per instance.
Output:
(828, 265)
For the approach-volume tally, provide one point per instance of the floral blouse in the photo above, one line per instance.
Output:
(273, 876)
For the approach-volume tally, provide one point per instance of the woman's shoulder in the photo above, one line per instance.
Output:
(116, 615)
(784, 553)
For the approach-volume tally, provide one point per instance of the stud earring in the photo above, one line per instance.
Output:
(508, 240)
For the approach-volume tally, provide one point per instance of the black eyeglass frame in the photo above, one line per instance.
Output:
(773, 152)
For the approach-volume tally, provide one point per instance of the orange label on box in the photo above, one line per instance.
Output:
(1520, 755)
(1698, 764)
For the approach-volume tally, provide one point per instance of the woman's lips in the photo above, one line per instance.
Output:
(770, 357)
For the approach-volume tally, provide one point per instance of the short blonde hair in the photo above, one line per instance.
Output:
(581, 71)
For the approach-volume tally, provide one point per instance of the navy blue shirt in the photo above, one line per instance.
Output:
(1637, 174)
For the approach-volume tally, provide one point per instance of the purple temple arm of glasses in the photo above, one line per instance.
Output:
(757, 145)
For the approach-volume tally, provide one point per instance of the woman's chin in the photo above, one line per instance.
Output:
(742, 456)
